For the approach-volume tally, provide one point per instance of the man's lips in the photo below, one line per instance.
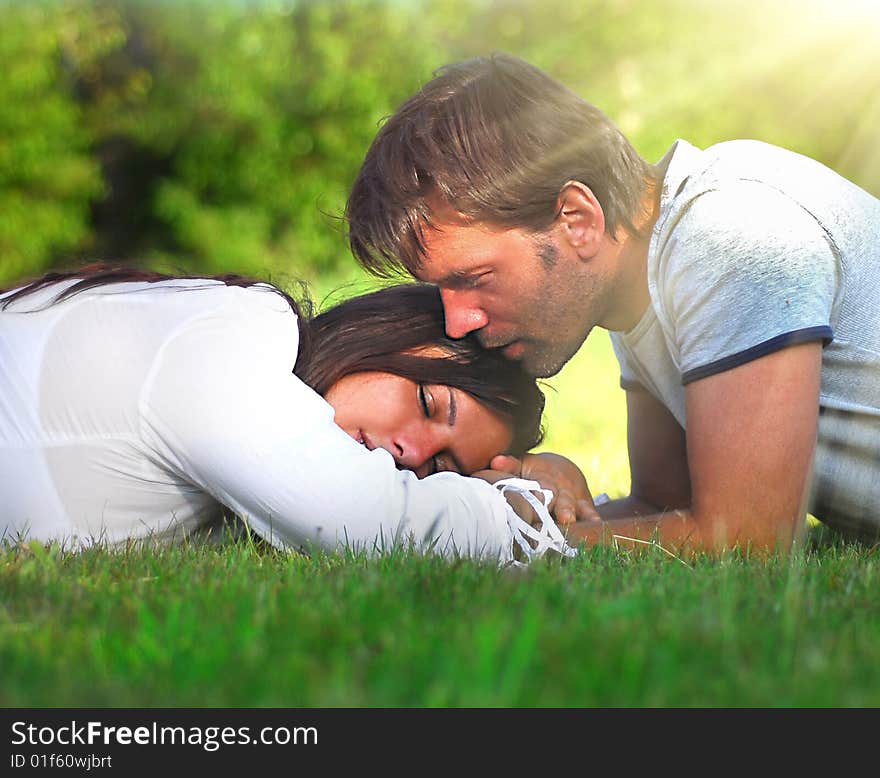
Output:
(503, 343)
(508, 341)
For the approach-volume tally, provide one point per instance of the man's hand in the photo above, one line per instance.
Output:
(516, 501)
(572, 500)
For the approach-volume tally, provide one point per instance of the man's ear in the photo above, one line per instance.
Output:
(580, 218)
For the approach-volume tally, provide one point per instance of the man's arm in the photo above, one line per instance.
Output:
(750, 442)
(658, 469)
(659, 475)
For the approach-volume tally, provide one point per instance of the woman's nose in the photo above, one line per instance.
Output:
(415, 449)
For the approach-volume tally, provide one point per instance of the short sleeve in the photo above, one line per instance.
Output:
(743, 272)
(628, 379)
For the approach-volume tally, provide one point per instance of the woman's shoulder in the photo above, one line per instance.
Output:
(261, 306)
(258, 318)
(196, 299)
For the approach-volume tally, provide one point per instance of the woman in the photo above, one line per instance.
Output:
(134, 405)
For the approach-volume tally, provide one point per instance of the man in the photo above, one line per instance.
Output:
(740, 285)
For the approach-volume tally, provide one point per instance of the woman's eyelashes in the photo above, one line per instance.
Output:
(431, 408)
(426, 399)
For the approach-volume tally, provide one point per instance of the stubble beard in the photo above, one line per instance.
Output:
(545, 358)
(546, 361)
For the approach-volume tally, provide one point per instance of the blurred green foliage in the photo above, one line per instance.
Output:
(48, 171)
(223, 136)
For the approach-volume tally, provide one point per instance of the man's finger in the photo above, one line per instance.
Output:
(563, 508)
(587, 512)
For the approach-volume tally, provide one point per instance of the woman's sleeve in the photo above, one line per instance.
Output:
(224, 411)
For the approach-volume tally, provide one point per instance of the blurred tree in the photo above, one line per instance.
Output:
(804, 74)
(47, 174)
(239, 127)
(224, 135)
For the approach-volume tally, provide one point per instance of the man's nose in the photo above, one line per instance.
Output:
(462, 315)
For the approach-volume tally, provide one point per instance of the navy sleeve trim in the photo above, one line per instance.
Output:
(823, 333)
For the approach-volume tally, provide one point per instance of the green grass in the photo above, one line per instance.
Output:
(242, 625)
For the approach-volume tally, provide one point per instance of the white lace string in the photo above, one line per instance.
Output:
(546, 538)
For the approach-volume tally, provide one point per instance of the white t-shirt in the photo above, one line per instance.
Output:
(136, 410)
(757, 248)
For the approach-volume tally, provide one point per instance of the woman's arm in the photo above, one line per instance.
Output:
(224, 411)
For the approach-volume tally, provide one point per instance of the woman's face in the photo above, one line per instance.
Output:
(425, 427)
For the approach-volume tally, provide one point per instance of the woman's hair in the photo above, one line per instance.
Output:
(388, 330)
(497, 139)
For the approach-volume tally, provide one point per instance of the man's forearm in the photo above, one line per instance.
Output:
(673, 529)
(679, 532)
(626, 507)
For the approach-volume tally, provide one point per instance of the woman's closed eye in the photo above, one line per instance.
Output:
(426, 400)
(432, 408)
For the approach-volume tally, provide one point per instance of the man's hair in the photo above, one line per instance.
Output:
(497, 139)
(398, 329)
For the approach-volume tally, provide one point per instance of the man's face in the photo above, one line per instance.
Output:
(530, 295)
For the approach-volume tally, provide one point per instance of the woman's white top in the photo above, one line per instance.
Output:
(136, 411)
